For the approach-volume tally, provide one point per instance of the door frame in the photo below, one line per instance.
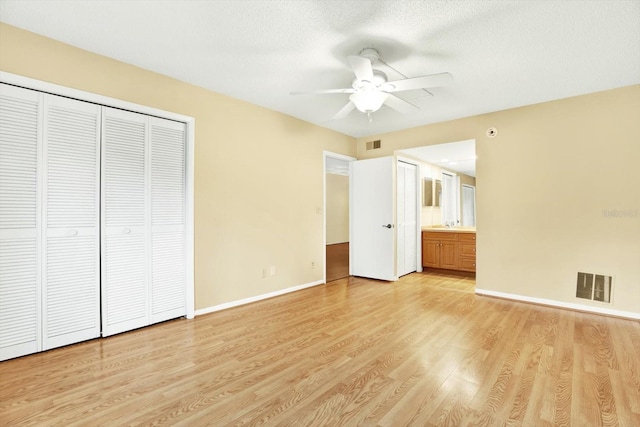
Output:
(325, 155)
(42, 86)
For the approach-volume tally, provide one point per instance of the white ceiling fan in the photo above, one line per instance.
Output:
(370, 88)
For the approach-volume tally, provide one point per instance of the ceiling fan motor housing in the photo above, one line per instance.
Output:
(371, 54)
(379, 78)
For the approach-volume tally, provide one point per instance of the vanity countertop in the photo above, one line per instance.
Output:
(450, 230)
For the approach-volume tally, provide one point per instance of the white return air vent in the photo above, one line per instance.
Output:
(373, 145)
(595, 287)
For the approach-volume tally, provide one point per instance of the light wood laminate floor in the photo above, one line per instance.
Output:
(423, 351)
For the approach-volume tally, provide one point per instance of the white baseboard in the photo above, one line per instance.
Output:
(256, 298)
(559, 304)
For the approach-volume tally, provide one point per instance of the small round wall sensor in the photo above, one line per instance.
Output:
(492, 132)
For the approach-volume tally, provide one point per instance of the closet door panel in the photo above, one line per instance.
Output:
(168, 271)
(167, 164)
(20, 221)
(400, 212)
(19, 305)
(406, 203)
(124, 286)
(125, 301)
(71, 276)
(411, 234)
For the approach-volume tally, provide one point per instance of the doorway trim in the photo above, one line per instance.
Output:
(325, 156)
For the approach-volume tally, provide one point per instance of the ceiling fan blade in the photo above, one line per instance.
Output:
(424, 82)
(400, 104)
(344, 111)
(361, 68)
(345, 90)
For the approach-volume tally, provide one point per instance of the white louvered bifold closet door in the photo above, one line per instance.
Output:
(92, 221)
(20, 139)
(167, 219)
(71, 268)
(125, 287)
(406, 213)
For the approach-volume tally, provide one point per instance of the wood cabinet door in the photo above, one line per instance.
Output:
(467, 250)
(448, 255)
(431, 253)
(467, 264)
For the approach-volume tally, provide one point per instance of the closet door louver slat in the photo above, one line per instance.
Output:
(71, 279)
(125, 288)
(20, 139)
(167, 219)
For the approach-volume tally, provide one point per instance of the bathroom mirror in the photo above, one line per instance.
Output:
(432, 194)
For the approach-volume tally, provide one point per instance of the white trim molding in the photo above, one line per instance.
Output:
(256, 298)
(560, 304)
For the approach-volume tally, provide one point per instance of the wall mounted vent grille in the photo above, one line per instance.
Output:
(595, 287)
(373, 145)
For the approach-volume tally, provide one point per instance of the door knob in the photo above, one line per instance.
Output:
(388, 226)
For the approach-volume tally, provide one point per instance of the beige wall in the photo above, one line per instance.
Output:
(578, 157)
(574, 158)
(337, 188)
(250, 213)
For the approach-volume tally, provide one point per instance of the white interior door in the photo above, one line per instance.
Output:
(71, 268)
(167, 146)
(144, 221)
(449, 199)
(20, 221)
(372, 219)
(407, 205)
(125, 286)
(468, 206)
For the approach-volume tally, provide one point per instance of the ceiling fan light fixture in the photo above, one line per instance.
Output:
(368, 101)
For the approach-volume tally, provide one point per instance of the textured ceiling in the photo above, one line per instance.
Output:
(502, 54)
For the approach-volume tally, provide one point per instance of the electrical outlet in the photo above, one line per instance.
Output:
(272, 270)
(313, 264)
(264, 273)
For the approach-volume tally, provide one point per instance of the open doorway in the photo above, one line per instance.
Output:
(448, 210)
(336, 216)
(457, 161)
